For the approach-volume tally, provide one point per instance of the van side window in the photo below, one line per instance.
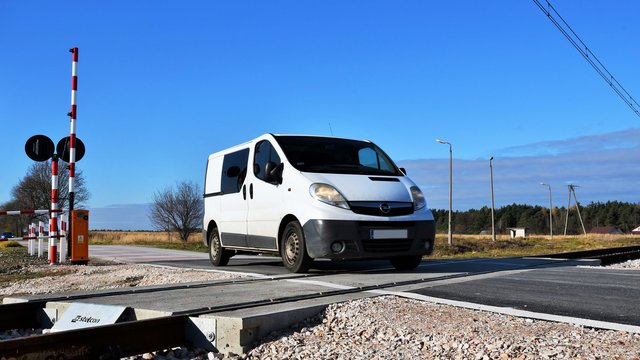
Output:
(234, 171)
(265, 156)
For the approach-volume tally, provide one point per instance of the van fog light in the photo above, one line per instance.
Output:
(337, 246)
(428, 245)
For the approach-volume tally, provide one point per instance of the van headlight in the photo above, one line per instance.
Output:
(328, 194)
(418, 198)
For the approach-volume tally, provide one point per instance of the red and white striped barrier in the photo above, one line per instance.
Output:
(24, 212)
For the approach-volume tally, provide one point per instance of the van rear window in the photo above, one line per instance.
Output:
(338, 156)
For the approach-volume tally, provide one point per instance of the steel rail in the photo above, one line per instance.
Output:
(607, 255)
(24, 315)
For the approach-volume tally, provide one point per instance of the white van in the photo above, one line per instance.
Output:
(311, 197)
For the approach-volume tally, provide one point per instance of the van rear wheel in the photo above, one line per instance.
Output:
(294, 250)
(218, 255)
(406, 262)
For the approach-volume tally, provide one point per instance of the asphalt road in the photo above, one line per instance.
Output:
(590, 293)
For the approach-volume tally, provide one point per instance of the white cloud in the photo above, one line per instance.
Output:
(604, 166)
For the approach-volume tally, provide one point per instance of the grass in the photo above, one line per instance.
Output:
(9, 244)
(16, 265)
(147, 238)
(464, 246)
(472, 246)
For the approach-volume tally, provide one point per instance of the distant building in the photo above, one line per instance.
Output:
(517, 232)
(636, 231)
(605, 230)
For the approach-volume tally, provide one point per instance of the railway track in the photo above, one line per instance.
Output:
(606, 256)
(116, 340)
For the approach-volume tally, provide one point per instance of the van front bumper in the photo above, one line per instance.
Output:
(341, 239)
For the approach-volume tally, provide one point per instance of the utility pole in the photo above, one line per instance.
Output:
(450, 186)
(493, 222)
(550, 210)
(572, 190)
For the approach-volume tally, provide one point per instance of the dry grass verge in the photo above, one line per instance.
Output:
(147, 238)
(470, 246)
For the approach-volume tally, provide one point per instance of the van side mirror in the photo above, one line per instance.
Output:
(273, 172)
(404, 171)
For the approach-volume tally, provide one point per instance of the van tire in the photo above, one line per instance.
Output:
(406, 262)
(294, 250)
(218, 255)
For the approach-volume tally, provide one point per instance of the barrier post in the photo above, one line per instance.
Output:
(40, 237)
(32, 242)
(63, 239)
(53, 218)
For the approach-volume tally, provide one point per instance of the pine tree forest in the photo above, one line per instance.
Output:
(621, 215)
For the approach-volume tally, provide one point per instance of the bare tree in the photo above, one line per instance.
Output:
(33, 192)
(177, 210)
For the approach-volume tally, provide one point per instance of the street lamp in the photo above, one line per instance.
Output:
(450, 184)
(493, 222)
(550, 210)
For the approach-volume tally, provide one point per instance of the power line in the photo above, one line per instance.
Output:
(588, 55)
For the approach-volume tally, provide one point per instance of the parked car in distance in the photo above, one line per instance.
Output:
(5, 235)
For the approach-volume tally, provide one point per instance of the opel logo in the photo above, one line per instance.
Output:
(385, 208)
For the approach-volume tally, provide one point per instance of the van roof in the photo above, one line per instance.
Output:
(245, 144)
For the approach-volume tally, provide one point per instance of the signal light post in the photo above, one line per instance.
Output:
(69, 149)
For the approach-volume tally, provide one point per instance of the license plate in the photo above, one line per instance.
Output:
(389, 234)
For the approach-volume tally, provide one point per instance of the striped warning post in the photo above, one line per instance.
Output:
(53, 219)
(32, 239)
(72, 132)
(63, 238)
(40, 237)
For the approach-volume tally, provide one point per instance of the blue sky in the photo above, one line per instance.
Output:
(162, 84)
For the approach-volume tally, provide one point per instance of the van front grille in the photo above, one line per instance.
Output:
(381, 208)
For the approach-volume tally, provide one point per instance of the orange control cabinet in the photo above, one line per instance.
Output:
(79, 236)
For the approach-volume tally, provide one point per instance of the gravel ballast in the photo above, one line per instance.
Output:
(386, 327)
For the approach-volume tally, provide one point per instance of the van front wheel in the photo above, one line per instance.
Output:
(294, 250)
(218, 255)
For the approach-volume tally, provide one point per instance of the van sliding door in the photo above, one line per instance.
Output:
(233, 205)
(265, 198)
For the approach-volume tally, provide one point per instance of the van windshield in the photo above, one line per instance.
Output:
(338, 156)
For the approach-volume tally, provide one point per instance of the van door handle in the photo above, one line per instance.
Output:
(244, 192)
(251, 191)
